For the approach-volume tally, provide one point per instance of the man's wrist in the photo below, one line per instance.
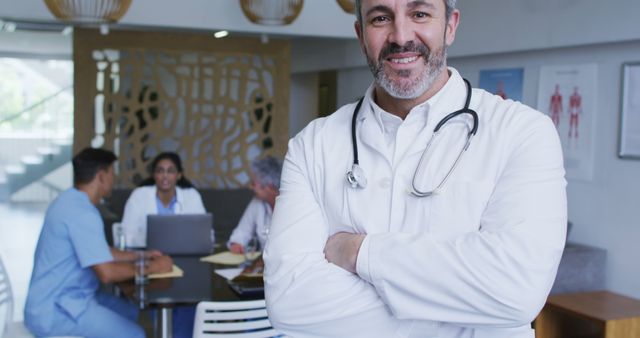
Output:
(355, 250)
(362, 261)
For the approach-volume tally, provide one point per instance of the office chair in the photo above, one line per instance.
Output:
(241, 319)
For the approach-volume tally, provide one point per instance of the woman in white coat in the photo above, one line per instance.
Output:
(165, 192)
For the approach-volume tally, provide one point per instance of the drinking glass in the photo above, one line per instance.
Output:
(119, 237)
(141, 263)
(250, 250)
(141, 296)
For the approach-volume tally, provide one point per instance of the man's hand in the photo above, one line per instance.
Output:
(150, 254)
(236, 248)
(342, 250)
(159, 264)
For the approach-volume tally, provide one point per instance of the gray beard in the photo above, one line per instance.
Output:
(407, 88)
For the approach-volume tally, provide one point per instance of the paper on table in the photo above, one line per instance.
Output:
(228, 258)
(224, 258)
(230, 273)
(175, 272)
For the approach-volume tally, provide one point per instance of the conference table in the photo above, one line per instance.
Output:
(199, 283)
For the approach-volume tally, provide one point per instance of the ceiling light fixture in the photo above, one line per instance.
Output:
(67, 30)
(220, 34)
(88, 11)
(104, 29)
(348, 6)
(271, 12)
(10, 27)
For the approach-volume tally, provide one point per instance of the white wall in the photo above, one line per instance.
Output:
(33, 44)
(352, 83)
(303, 99)
(308, 54)
(604, 211)
(492, 26)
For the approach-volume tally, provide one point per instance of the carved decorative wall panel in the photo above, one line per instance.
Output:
(218, 107)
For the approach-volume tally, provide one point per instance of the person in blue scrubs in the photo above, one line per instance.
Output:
(72, 258)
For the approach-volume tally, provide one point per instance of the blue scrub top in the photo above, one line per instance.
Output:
(63, 282)
(169, 210)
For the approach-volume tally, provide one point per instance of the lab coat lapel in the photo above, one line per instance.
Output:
(370, 133)
(179, 199)
(449, 99)
(152, 201)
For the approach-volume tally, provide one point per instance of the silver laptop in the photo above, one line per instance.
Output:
(180, 234)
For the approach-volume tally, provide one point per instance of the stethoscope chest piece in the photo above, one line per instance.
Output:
(356, 177)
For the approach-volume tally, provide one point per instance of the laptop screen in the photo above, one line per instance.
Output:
(180, 234)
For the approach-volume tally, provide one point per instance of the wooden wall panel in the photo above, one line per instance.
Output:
(217, 102)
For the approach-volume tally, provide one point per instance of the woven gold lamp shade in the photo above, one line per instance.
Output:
(90, 11)
(271, 12)
(348, 6)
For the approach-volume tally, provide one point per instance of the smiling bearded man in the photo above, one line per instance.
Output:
(376, 233)
(406, 87)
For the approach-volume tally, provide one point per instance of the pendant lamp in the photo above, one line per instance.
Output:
(88, 11)
(348, 6)
(271, 12)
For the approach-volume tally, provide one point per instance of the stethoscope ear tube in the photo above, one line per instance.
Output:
(354, 140)
(446, 119)
(464, 110)
(356, 177)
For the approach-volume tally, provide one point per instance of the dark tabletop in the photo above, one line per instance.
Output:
(199, 283)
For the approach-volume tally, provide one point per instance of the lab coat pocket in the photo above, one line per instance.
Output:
(350, 218)
(457, 209)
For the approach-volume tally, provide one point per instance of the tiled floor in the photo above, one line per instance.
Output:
(20, 225)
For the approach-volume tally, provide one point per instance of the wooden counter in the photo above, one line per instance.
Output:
(589, 314)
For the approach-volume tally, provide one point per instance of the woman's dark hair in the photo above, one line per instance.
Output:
(183, 182)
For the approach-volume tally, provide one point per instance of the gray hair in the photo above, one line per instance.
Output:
(267, 170)
(450, 6)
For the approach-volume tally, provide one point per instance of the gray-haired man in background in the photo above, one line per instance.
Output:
(255, 221)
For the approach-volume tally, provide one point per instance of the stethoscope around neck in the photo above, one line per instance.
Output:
(357, 178)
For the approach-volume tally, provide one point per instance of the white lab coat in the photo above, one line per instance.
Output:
(476, 260)
(142, 202)
(255, 221)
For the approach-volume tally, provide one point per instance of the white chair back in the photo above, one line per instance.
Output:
(6, 300)
(241, 319)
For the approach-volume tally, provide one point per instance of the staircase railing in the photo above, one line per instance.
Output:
(28, 109)
(45, 141)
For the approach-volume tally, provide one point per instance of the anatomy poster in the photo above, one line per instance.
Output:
(568, 95)
(506, 83)
(630, 126)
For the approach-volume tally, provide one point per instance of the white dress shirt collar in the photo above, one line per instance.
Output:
(448, 99)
